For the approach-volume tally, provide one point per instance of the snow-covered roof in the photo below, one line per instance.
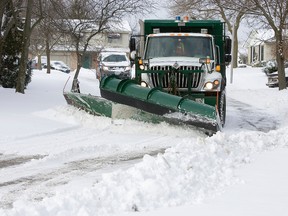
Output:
(120, 26)
(260, 36)
(92, 48)
(265, 34)
(72, 48)
(115, 49)
(91, 25)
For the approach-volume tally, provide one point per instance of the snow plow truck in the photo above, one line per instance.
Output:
(179, 76)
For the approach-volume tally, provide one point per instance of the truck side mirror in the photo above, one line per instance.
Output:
(228, 45)
(132, 44)
(228, 58)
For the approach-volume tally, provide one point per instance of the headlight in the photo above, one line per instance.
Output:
(142, 67)
(211, 85)
(143, 84)
(208, 85)
(105, 68)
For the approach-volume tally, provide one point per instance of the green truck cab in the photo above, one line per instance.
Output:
(187, 58)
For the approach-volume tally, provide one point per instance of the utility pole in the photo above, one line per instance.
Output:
(232, 60)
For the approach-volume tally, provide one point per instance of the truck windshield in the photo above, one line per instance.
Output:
(171, 46)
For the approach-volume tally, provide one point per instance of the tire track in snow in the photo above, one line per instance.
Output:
(41, 184)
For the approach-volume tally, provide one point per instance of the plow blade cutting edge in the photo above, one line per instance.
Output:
(160, 105)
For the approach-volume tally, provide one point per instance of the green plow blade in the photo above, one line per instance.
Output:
(102, 107)
(171, 108)
(92, 104)
(125, 99)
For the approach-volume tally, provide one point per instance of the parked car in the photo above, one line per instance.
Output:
(270, 67)
(271, 70)
(240, 65)
(34, 63)
(273, 79)
(114, 63)
(59, 65)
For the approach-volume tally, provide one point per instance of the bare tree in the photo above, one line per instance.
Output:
(271, 14)
(37, 43)
(28, 6)
(212, 9)
(83, 20)
(233, 20)
(45, 34)
(195, 9)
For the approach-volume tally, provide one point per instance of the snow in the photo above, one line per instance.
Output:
(122, 26)
(57, 160)
(260, 36)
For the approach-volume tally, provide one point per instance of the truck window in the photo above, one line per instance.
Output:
(171, 46)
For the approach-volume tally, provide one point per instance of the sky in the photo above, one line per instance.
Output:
(58, 160)
(162, 12)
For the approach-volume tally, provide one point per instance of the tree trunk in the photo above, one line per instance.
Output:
(75, 84)
(39, 61)
(20, 85)
(48, 56)
(1, 50)
(280, 60)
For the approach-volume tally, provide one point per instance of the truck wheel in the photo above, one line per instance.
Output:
(222, 107)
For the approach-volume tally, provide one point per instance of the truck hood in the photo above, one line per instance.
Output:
(170, 61)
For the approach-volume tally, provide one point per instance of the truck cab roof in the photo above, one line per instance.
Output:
(179, 34)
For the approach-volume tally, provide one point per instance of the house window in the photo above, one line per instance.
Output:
(262, 53)
(114, 38)
(253, 54)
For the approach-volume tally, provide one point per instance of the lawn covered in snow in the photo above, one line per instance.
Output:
(57, 160)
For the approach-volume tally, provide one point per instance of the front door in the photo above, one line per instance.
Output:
(86, 61)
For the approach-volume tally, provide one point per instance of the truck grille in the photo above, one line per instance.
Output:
(180, 78)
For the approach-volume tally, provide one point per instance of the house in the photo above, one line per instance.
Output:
(115, 38)
(261, 46)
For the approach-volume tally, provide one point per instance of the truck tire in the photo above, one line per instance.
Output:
(222, 107)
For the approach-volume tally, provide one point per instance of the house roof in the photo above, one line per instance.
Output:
(115, 49)
(115, 26)
(90, 25)
(260, 36)
(120, 26)
(91, 48)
